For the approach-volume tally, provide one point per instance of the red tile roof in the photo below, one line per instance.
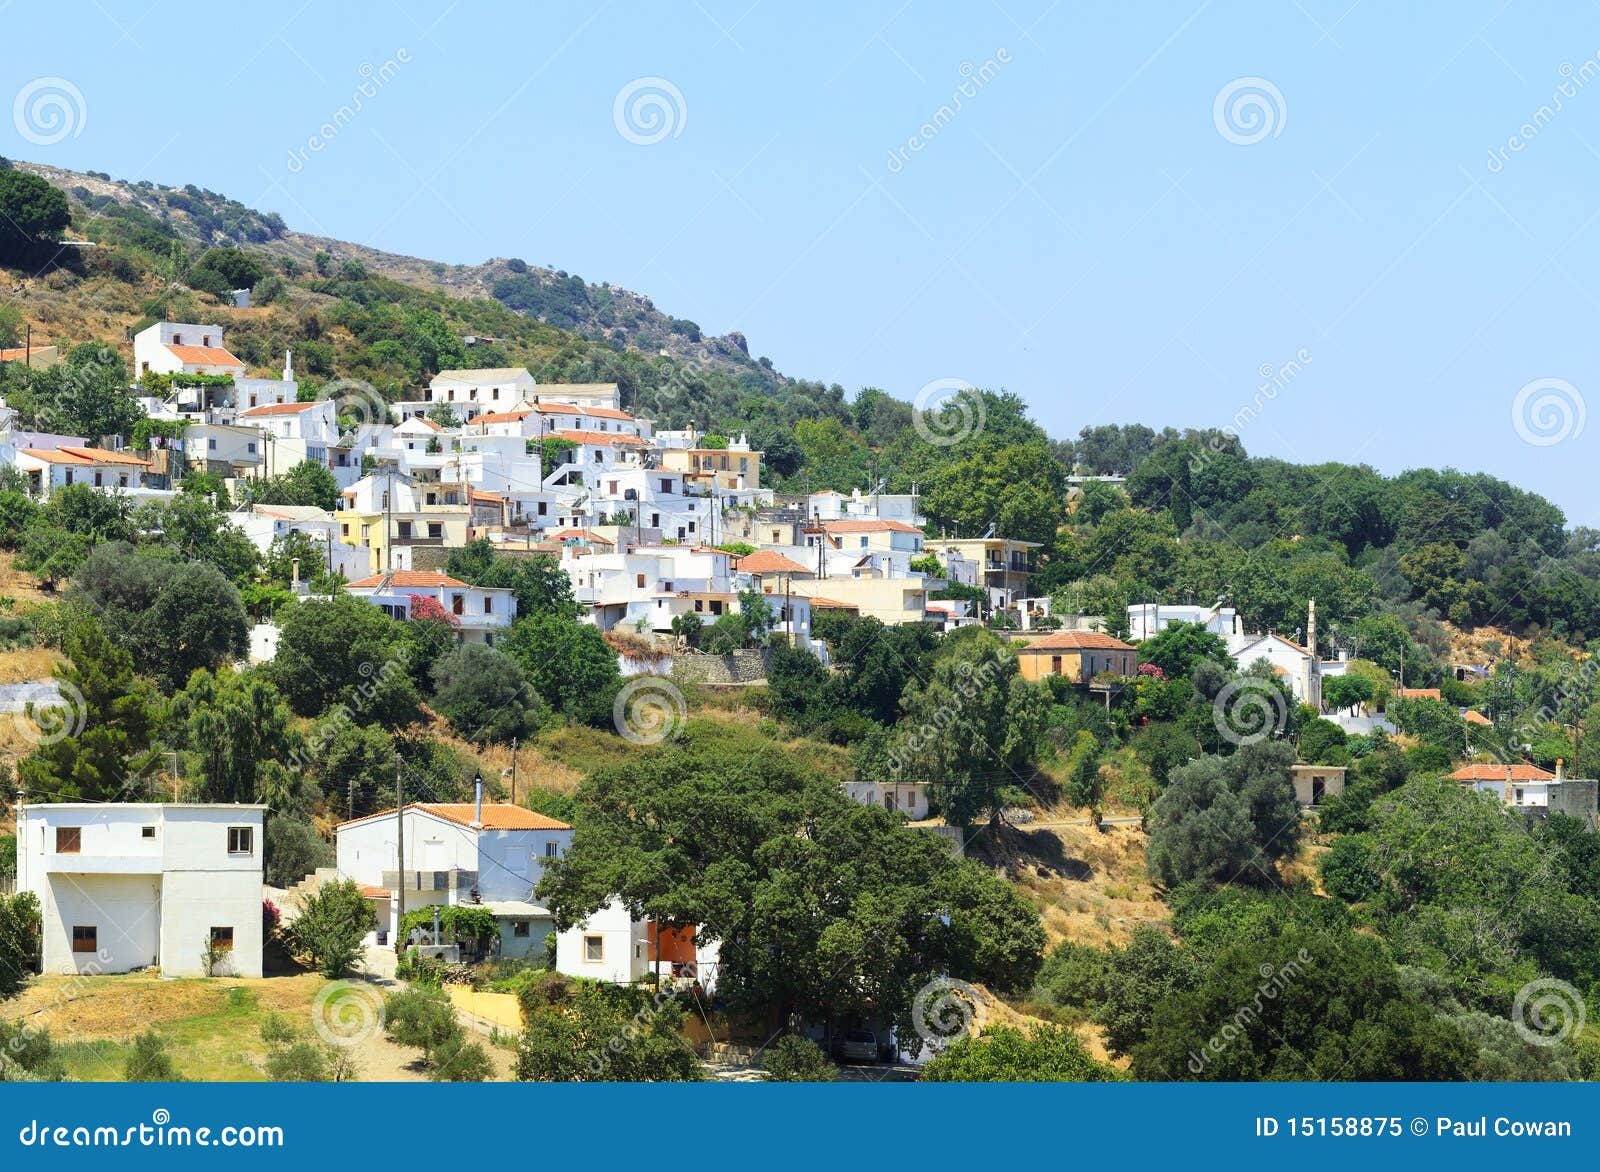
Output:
(602, 438)
(21, 353)
(277, 409)
(423, 578)
(496, 816)
(869, 526)
(204, 356)
(767, 561)
(73, 455)
(1075, 641)
(504, 416)
(1473, 717)
(1522, 772)
(1418, 693)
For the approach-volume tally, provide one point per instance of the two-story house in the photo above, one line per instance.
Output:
(485, 854)
(480, 614)
(133, 885)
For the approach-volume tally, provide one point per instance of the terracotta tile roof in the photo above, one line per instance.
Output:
(1076, 641)
(1521, 772)
(580, 535)
(21, 353)
(421, 578)
(602, 438)
(74, 455)
(869, 526)
(560, 409)
(607, 413)
(504, 416)
(496, 816)
(767, 561)
(1473, 717)
(204, 356)
(478, 494)
(277, 409)
(376, 892)
(818, 601)
(1418, 693)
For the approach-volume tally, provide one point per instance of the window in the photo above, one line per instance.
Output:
(458, 604)
(69, 840)
(405, 530)
(205, 339)
(221, 939)
(638, 581)
(85, 939)
(488, 606)
(1055, 665)
(519, 928)
(211, 444)
(543, 509)
(435, 529)
(594, 949)
(551, 850)
(147, 832)
(177, 339)
(241, 840)
(1519, 796)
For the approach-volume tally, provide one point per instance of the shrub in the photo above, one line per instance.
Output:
(795, 1059)
(330, 929)
(148, 1060)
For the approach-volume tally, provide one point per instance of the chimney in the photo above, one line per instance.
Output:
(477, 803)
(1311, 626)
(1559, 763)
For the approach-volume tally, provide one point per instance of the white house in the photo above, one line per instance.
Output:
(480, 613)
(133, 885)
(294, 432)
(48, 469)
(462, 853)
(1147, 619)
(182, 348)
(613, 946)
(470, 393)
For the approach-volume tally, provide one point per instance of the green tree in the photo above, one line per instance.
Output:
(33, 215)
(569, 663)
(485, 695)
(20, 928)
(148, 1060)
(972, 727)
(332, 924)
(344, 651)
(795, 1059)
(307, 483)
(1225, 818)
(1046, 1053)
(110, 719)
(606, 1033)
(233, 725)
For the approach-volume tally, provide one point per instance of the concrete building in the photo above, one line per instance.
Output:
(490, 855)
(1079, 656)
(134, 885)
(169, 347)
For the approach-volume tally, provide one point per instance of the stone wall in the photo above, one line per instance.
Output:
(739, 667)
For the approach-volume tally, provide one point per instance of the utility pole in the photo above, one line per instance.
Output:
(513, 771)
(399, 858)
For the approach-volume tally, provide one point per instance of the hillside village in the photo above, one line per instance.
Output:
(555, 709)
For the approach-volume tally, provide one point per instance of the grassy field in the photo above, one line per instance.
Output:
(212, 1027)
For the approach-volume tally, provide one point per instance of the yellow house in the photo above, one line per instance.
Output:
(1075, 655)
(393, 538)
(730, 468)
(892, 601)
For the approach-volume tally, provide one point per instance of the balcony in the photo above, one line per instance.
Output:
(89, 863)
(449, 881)
(412, 539)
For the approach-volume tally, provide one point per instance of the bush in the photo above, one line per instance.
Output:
(459, 1060)
(148, 1060)
(27, 1055)
(423, 1018)
(299, 1062)
(329, 931)
(795, 1059)
(293, 850)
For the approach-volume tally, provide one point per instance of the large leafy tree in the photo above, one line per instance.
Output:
(485, 695)
(33, 214)
(1306, 1005)
(569, 664)
(973, 727)
(821, 907)
(344, 651)
(174, 616)
(1225, 818)
(234, 725)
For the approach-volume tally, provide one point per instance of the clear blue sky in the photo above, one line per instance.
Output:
(1080, 232)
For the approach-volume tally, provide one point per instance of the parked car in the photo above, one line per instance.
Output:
(856, 1046)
